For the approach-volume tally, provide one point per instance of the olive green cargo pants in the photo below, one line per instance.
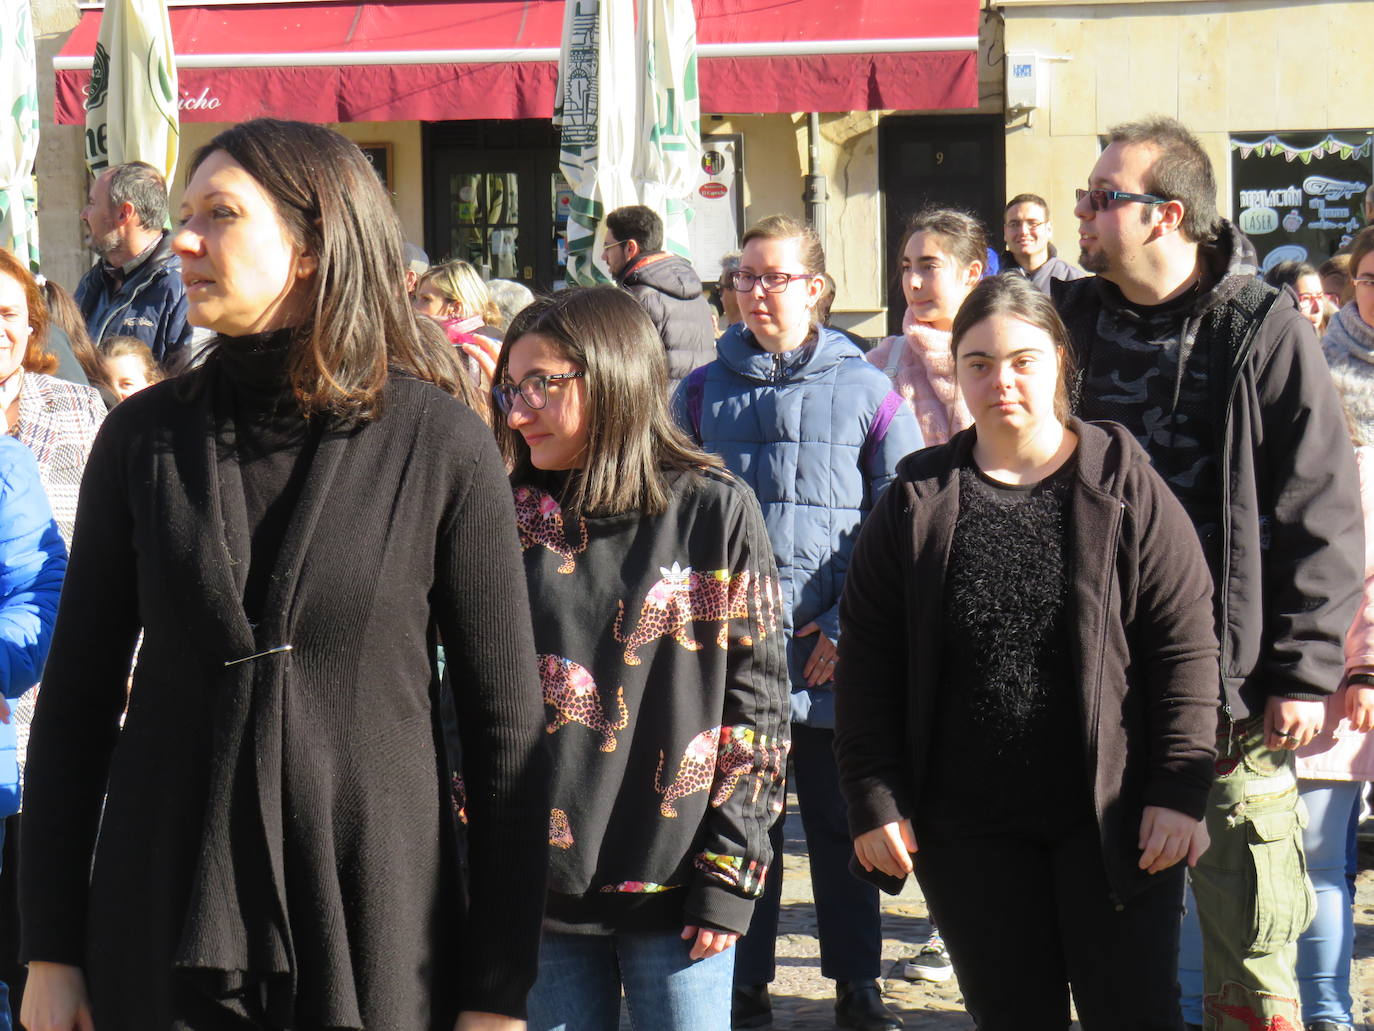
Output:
(1253, 895)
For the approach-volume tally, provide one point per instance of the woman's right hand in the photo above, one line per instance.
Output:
(55, 999)
(888, 848)
(1359, 707)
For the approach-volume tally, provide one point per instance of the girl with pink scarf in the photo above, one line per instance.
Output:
(942, 258)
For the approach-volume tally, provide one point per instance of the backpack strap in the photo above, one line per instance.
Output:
(695, 389)
(892, 359)
(877, 429)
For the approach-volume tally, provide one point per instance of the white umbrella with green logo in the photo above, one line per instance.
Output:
(131, 107)
(18, 132)
(668, 151)
(595, 113)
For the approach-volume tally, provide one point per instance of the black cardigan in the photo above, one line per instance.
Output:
(1142, 647)
(278, 829)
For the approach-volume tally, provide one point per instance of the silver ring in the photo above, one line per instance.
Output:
(1285, 734)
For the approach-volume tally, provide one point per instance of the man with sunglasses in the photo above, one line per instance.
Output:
(665, 285)
(1223, 384)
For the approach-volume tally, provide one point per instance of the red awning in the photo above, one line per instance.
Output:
(446, 59)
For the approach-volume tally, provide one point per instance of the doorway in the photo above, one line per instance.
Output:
(954, 161)
(491, 190)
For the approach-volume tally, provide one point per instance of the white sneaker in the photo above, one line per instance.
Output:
(932, 963)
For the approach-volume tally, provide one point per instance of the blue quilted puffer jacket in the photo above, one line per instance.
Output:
(796, 428)
(33, 561)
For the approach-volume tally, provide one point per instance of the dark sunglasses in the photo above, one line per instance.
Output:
(1100, 200)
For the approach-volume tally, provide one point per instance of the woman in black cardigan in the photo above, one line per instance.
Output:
(1027, 689)
(289, 526)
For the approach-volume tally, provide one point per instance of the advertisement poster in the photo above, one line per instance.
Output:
(718, 205)
(1299, 196)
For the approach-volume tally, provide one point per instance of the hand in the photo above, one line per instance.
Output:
(709, 941)
(484, 353)
(4, 710)
(888, 847)
(55, 999)
(1359, 706)
(820, 668)
(474, 1021)
(1291, 724)
(1199, 844)
(1166, 836)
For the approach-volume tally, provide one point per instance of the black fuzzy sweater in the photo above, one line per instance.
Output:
(1007, 749)
(276, 842)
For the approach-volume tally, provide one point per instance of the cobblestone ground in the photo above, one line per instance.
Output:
(803, 1000)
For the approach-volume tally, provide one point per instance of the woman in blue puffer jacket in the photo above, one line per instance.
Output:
(816, 431)
(33, 561)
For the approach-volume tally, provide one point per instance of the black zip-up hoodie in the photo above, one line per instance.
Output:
(1141, 643)
(1292, 548)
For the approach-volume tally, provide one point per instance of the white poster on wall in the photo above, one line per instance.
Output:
(718, 205)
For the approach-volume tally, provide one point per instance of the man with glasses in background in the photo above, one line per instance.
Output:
(1030, 243)
(665, 285)
(1229, 394)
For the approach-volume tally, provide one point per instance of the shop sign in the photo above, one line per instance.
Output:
(1299, 196)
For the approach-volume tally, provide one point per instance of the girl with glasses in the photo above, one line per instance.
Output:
(942, 256)
(795, 411)
(657, 623)
(1026, 704)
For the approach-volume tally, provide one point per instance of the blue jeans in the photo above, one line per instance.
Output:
(581, 976)
(1325, 948)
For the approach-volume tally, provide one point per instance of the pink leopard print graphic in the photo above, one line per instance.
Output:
(572, 694)
(730, 752)
(560, 834)
(539, 520)
(684, 596)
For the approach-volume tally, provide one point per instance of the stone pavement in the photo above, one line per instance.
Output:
(803, 1000)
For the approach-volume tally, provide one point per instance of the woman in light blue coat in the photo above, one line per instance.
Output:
(33, 561)
(816, 431)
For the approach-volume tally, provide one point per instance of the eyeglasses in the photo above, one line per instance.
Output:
(1311, 298)
(1363, 282)
(533, 390)
(617, 243)
(1030, 226)
(773, 282)
(1100, 200)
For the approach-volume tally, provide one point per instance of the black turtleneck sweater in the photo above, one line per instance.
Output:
(274, 443)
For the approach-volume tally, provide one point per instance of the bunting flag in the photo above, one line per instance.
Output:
(18, 133)
(668, 153)
(1273, 146)
(594, 109)
(131, 105)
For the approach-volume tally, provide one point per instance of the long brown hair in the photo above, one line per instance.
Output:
(359, 321)
(63, 312)
(37, 357)
(632, 441)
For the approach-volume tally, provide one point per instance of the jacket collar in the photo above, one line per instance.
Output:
(741, 353)
(1106, 453)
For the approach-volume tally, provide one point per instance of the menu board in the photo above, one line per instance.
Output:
(1299, 196)
(717, 203)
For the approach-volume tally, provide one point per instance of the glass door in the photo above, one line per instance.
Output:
(492, 199)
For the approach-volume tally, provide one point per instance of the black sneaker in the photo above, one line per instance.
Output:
(931, 963)
(750, 1008)
(1330, 1025)
(859, 1006)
